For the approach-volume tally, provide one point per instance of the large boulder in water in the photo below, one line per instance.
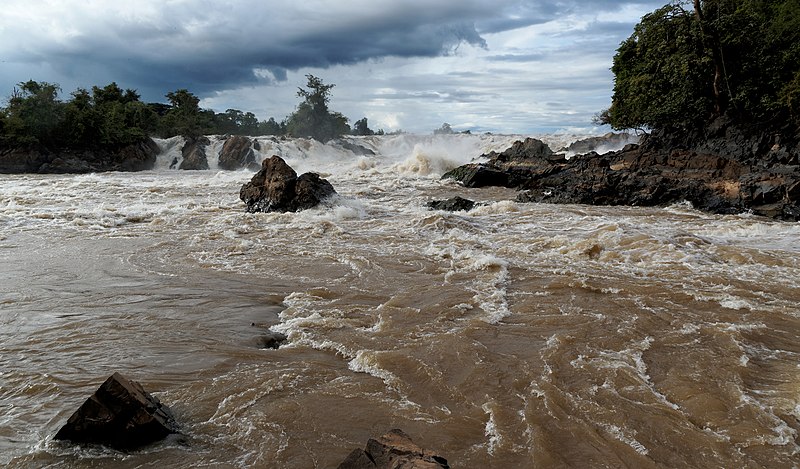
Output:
(277, 188)
(138, 156)
(394, 450)
(121, 415)
(237, 153)
(194, 154)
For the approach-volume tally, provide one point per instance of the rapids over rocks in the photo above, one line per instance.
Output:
(512, 335)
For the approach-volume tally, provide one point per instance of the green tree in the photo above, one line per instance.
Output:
(185, 116)
(106, 117)
(271, 127)
(34, 114)
(661, 73)
(312, 118)
(682, 68)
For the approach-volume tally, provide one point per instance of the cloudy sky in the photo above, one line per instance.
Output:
(513, 66)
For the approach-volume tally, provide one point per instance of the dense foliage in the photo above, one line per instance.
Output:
(111, 117)
(312, 117)
(689, 62)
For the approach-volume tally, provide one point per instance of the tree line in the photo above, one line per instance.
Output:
(692, 61)
(109, 117)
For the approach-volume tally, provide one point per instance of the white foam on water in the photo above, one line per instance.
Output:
(366, 361)
(624, 437)
(494, 438)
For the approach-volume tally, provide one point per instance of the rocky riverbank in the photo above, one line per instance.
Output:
(724, 169)
(37, 159)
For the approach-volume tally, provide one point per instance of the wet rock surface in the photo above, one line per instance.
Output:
(714, 177)
(194, 154)
(237, 153)
(121, 415)
(277, 188)
(394, 450)
(453, 204)
(36, 159)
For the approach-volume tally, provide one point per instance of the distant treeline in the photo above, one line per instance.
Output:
(108, 117)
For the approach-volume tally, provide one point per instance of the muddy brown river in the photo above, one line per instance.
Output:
(510, 336)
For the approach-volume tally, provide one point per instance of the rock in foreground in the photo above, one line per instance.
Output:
(277, 188)
(394, 450)
(121, 415)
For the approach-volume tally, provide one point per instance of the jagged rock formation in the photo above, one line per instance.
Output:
(394, 450)
(121, 415)
(277, 188)
(601, 144)
(752, 174)
(354, 148)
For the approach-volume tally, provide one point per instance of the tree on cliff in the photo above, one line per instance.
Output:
(312, 117)
(681, 68)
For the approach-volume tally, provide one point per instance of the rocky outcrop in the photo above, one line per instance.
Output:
(601, 144)
(37, 159)
(354, 148)
(394, 450)
(657, 172)
(194, 154)
(121, 415)
(236, 153)
(277, 188)
(453, 204)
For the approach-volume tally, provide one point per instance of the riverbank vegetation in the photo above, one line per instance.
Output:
(691, 62)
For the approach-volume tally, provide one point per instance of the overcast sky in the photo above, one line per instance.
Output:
(510, 66)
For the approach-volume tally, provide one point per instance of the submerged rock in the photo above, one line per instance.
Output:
(453, 204)
(277, 188)
(121, 415)
(394, 450)
(272, 339)
(236, 153)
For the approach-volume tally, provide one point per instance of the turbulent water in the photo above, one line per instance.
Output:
(511, 336)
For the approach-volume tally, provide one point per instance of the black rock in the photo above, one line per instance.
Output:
(272, 339)
(121, 415)
(453, 204)
(477, 175)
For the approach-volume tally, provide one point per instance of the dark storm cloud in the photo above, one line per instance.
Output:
(207, 46)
